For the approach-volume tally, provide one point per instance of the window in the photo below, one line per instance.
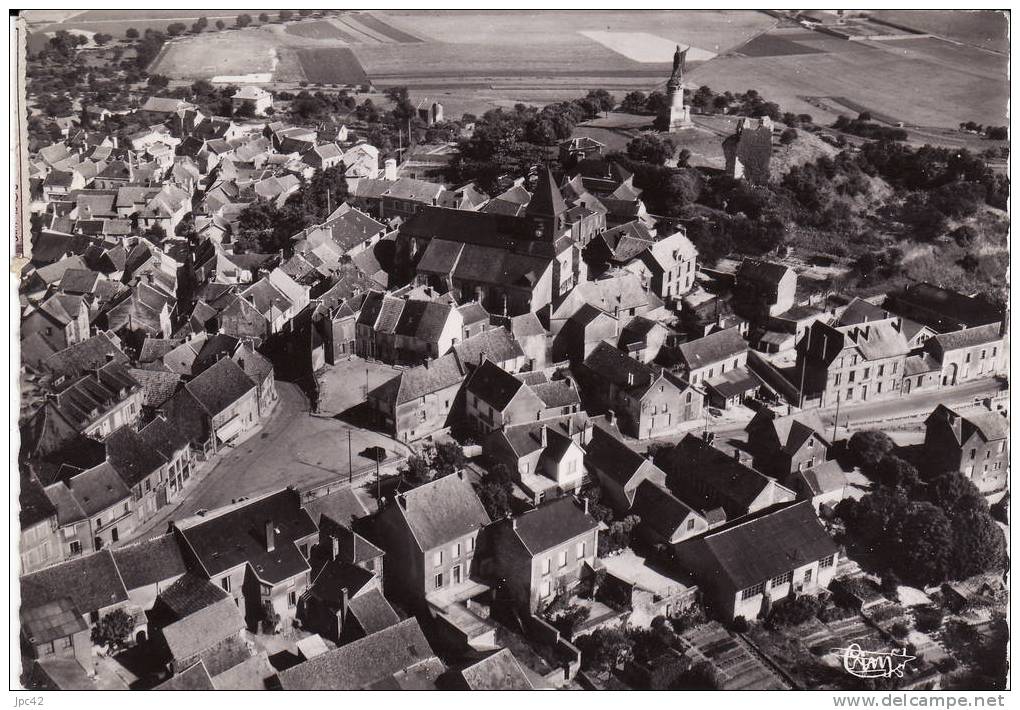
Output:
(148, 485)
(581, 550)
(807, 574)
(690, 524)
(292, 598)
(967, 359)
(782, 579)
(878, 388)
(456, 550)
(893, 368)
(837, 379)
(225, 583)
(563, 558)
(850, 393)
(994, 350)
(99, 522)
(753, 591)
(969, 471)
(66, 642)
(546, 588)
(471, 544)
(973, 454)
(437, 558)
(439, 581)
(852, 376)
(1002, 446)
(47, 649)
(881, 370)
(827, 561)
(867, 373)
(75, 547)
(546, 565)
(983, 354)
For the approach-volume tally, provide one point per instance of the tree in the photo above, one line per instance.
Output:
(657, 103)
(956, 494)
(793, 611)
(604, 649)
(449, 458)
(868, 446)
(286, 15)
(102, 38)
(700, 676)
(131, 33)
(928, 618)
(176, 28)
(568, 618)
(979, 544)
(924, 546)
(634, 102)
(243, 20)
(220, 24)
(113, 630)
(245, 110)
(894, 471)
(601, 99)
(649, 148)
(788, 136)
(618, 536)
(495, 491)
(263, 17)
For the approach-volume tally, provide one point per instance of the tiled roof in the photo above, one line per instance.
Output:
(189, 594)
(220, 386)
(86, 355)
(373, 612)
(194, 678)
(91, 582)
(499, 671)
(496, 344)
(423, 320)
(50, 621)
(659, 509)
(718, 346)
(969, 337)
(552, 524)
(442, 510)
(614, 458)
(494, 385)
(153, 561)
(157, 386)
(204, 629)
(98, 489)
(415, 382)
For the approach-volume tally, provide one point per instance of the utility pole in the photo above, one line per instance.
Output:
(350, 459)
(378, 483)
(803, 367)
(366, 383)
(835, 423)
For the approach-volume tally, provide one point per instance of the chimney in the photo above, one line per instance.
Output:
(336, 547)
(270, 536)
(585, 506)
(545, 437)
(390, 169)
(343, 604)
(513, 523)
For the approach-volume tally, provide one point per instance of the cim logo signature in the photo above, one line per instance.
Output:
(874, 664)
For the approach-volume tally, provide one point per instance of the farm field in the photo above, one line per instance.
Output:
(218, 54)
(331, 65)
(983, 28)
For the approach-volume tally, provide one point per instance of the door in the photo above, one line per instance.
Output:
(456, 574)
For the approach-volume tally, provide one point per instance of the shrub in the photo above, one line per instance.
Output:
(899, 630)
(867, 447)
(928, 618)
(788, 136)
(740, 625)
(890, 585)
(794, 611)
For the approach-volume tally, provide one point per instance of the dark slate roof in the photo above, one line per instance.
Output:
(237, 536)
(157, 386)
(499, 671)
(547, 200)
(442, 510)
(341, 506)
(189, 594)
(969, 337)
(552, 524)
(613, 365)
(149, 562)
(336, 576)
(131, 456)
(659, 509)
(220, 386)
(194, 678)
(734, 485)
(373, 612)
(558, 393)
(86, 355)
(362, 663)
(98, 489)
(416, 382)
(494, 385)
(35, 506)
(721, 345)
(953, 306)
(50, 621)
(612, 456)
(763, 271)
(423, 320)
(496, 344)
(751, 551)
(204, 629)
(91, 582)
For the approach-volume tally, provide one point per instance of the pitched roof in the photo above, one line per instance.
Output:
(35, 505)
(424, 320)
(823, 478)
(91, 582)
(659, 509)
(494, 385)
(237, 535)
(150, 561)
(86, 355)
(498, 671)
(721, 345)
(363, 663)
(372, 611)
(441, 510)
(195, 677)
(190, 593)
(755, 550)
(251, 674)
(547, 200)
(157, 386)
(131, 456)
(341, 506)
(337, 576)
(424, 379)
(98, 489)
(969, 337)
(613, 457)
(220, 386)
(552, 524)
(557, 393)
(203, 629)
(50, 621)
(495, 344)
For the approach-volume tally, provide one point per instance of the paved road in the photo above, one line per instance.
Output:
(291, 448)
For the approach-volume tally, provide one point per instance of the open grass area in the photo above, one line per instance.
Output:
(319, 29)
(983, 28)
(334, 65)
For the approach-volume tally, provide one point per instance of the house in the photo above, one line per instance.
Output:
(61, 320)
(39, 544)
(746, 565)
(256, 551)
(670, 265)
(385, 199)
(942, 309)
(496, 345)
(546, 458)
(851, 363)
(194, 678)
(665, 519)
(213, 635)
(429, 534)
(426, 329)
(763, 289)
(706, 478)
(976, 445)
(702, 359)
(580, 148)
(643, 339)
(92, 583)
(108, 503)
(544, 552)
(533, 338)
(184, 597)
(782, 445)
(418, 401)
(969, 354)
(619, 469)
(55, 630)
(494, 398)
(824, 484)
(496, 671)
(99, 403)
(147, 568)
(395, 658)
(255, 97)
(224, 399)
(582, 332)
(153, 462)
(645, 400)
